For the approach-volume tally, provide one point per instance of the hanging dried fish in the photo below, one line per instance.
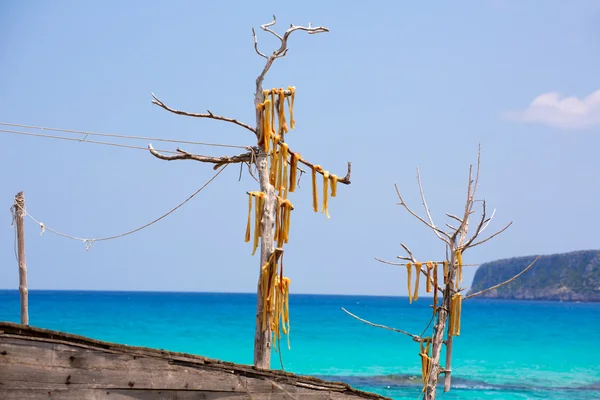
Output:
(278, 219)
(267, 126)
(283, 165)
(275, 156)
(334, 180)
(426, 361)
(429, 266)
(315, 169)
(259, 203)
(290, 101)
(281, 313)
(325, 208)
(287, 208)
(268, 274)
(248, 228)
(418, 266)
(293, 171)
(258, 211)
(456, 310)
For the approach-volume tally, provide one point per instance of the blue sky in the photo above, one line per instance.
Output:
(393, 86)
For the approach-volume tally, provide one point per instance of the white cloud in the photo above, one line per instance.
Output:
(562, 112)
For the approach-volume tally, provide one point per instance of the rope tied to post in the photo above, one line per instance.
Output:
(88, 242)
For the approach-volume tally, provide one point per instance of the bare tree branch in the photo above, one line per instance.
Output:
(345, 180)
(487, 222)
(412, 257)
(492, 236)
(435, 229)
(389, 262)
(464, 226)
(218, 161)
(402, 203)
(505, 282)
(472, 189)
(265, 27)
(196, 115)
(256, 45)
(416, 338)
(476, 186)
(479, 226)
(283, 49)
(454, 217)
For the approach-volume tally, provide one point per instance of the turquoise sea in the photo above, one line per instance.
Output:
(507, 349)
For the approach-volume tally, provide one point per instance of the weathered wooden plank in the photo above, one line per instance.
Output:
(170, 377)
(40, 364)
(98, 394)
(64, 361)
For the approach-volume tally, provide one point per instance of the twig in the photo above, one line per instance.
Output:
(487, 222)
(435, 229)
(464, 226)
(402, 203)
(265, 27)
(256, 45)
(389, 262)
(197, 115)
(479, 226)
(414, 337)
(492, 236)
(218, 161)
(454, 217)
(505, 282)
(412, 257)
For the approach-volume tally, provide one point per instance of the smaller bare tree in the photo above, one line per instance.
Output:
(446, 314)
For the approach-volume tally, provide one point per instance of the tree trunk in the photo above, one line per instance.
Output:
(262, 340)
(437, 340)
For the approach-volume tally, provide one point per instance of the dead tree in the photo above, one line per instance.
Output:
(446, 284)
(273, 160)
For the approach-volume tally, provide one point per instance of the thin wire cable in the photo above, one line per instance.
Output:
(43, 128)
(84, 140)
(88, 242)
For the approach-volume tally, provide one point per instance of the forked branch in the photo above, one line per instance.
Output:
(283, 49)
(491, 236)
(505, 282)
(438, 231)
(435, 229)
(208, 114)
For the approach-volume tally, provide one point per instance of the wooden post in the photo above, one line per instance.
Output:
(19, 209)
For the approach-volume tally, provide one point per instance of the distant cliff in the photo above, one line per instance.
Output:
(570, 277)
